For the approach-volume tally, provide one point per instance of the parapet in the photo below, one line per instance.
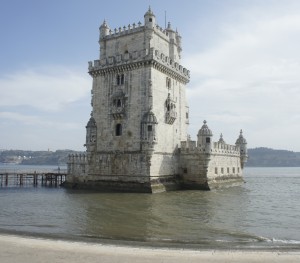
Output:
(136, 57)
(134, 28)
(218, 148)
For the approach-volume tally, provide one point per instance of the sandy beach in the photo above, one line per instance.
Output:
(15, 249)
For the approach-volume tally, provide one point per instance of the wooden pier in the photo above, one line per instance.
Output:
(35, 179)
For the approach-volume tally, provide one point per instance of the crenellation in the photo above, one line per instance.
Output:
(139, 56)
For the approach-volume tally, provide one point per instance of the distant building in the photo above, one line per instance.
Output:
(136, 138)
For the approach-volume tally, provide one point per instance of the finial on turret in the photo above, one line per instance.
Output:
(149, 12)
(241, 140)
(221, 140)
(104, 29)
(104, 24)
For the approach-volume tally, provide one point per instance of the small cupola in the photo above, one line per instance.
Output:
(104, 29)
(242, 144)
(205, 131)
(241, 140)
(91, 123)
(149, 18)
(91, 134)
(205, 137)
(221, 140)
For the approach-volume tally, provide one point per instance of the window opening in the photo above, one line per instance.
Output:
(119, 104)
(119, 129)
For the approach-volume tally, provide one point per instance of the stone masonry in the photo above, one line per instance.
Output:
(136, 138)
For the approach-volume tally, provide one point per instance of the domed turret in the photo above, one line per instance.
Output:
(91, 123)
(205, 137)
(91, 134)
(149, 123)
(149, 18)
(150, 117)
(242, 143)
(104, 29)
(241, 140)
(205, 131)
(221, 140)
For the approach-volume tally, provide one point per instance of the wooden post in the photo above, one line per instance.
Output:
(34, 179)
(6, 179)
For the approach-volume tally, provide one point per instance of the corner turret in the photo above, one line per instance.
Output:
(149, 19)
(104, 29)
(205, 138)
(91, 134)
(178, 40)
(242, 144)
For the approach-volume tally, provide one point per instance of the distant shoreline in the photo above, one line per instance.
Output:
(258, 157)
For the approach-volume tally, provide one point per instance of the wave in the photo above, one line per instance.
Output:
(284, 241)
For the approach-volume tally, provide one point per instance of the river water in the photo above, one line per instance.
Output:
(262, 213)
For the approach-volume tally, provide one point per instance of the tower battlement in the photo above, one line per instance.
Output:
(134, 28)
(129, 60)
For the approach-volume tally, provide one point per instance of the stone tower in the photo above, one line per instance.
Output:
(139, 111)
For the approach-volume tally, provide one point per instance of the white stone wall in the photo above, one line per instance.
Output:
(148, 59)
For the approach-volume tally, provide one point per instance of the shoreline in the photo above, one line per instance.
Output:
(16, 248)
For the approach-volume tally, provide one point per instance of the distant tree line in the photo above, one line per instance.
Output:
(59, 157)
(266, 157)
(258, 157)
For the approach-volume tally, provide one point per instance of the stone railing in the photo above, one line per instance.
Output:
(226, 147)
(217, 148)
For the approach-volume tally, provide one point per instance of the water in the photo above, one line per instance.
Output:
(263, 213)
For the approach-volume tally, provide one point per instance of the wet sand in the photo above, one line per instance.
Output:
(15, 249)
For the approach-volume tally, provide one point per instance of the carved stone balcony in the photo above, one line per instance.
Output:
(171, 116)
(118, 112)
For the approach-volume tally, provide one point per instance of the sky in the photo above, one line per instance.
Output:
(243, 56)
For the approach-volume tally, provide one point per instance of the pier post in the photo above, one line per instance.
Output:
(6, 179)
(35, 179)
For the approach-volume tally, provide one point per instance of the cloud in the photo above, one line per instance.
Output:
(49, 88)
(36, 121)
(250, 77)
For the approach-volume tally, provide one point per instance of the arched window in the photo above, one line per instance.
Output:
(119, 129)
(118, 79)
